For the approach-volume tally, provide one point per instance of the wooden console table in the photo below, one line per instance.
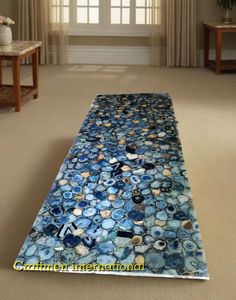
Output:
(16, 94)
(218, 28)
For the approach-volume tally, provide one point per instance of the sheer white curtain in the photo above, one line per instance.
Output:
(43, 20)
(158, 33)
(173, 30)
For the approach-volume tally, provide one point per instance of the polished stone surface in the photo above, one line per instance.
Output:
(219, 24)
(18, 48)
(122, 195)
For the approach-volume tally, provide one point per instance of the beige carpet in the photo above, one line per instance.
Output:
(34, 142)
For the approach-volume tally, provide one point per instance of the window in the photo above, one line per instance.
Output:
(88, 11)
(106, 17)
(120, 12)
(61, 14)
(143, 12)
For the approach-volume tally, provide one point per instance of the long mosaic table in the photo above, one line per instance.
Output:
(121, 198)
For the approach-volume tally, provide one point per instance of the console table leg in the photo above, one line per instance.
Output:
(206, 46)
(35, 69)
(16, 82)
(219, 37)
(0, 71)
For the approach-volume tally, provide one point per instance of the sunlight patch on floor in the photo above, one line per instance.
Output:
(97, 68)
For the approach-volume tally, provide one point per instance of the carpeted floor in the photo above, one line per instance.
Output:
(41, 134)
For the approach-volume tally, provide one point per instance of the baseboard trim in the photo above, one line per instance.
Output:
(117, 55)
(126, 55)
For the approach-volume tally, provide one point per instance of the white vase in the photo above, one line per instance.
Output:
(5, 35)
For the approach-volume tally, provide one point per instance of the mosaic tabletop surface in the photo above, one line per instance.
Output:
(121, 197)
(220, 24)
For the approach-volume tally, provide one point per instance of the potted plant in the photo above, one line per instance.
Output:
(227, 7)
(5, 30)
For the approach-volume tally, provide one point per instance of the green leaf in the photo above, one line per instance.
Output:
(226, 4)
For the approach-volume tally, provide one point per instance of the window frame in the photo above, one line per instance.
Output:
(56, 16)
(104, 28)
(80, 28)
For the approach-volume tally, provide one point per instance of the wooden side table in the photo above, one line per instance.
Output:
(16, 94)
(219, 29)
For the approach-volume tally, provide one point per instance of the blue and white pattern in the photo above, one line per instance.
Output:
(122, 194)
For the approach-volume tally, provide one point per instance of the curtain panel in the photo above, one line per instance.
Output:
(173, 33)
(38, 21)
